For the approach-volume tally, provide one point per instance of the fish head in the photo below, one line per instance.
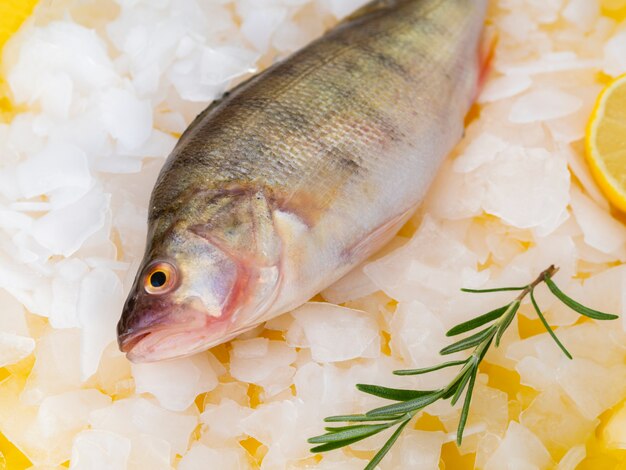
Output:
(202, 283)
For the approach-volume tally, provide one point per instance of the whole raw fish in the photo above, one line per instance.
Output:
(297, 175)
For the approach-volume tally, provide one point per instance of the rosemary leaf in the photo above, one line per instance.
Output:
(349, 433)
(450, 391)
(334, 445)
(461, 386)
(407, 406)
(388, 445)
(453, 386)
(482, 350)
(465, 410)
(469, 342)
(425, 370)
(358, 418)
(547, 326)
(478, 321)
(506, 320)
(336, 429)
(577, 307)
(392, 393)
(499, 289)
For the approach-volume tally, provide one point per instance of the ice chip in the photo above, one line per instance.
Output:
(482, 150)
(543, 105)
(56, 95)
(100, 450)
(269, 423)
(520, 448)
(412, 273)
(582, 13)
(133, 417)
(417, 335)
(263, 362)
(572, 458)
(443, 201)
(222, 64)
(556, 421)
(352, 286)
(57, 166)
(149, 452)
(12, 319)
(592, 387)
(61, 47)
(600, 229)
(201, 457)
(615, 54)
(327, 328)
(342, 8)
(100, 300)
(417, 449)
(614, 433)
(504, 87)
(260, 23)
(65, 292)
(64, 230)
(223, 421)
(56, 368)
(127, 118)
(175, 383)
(528, 188)
(14, 348)
(68, 413)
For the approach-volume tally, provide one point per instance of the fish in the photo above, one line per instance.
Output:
(300, 173)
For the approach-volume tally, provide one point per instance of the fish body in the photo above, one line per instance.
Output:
(299, 174)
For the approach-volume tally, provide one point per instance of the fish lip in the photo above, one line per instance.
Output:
(144, 346)
(128, 341)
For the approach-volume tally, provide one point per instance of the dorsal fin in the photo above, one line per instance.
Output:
(370, 8)
(218, 101)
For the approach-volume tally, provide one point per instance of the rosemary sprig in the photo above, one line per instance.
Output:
(409, 402)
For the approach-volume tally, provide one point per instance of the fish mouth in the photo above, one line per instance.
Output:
(162, 344)
(128, 341)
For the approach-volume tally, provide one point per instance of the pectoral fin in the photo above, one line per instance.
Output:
(378, 238)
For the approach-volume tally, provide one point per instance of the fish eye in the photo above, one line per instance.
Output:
(160, 278)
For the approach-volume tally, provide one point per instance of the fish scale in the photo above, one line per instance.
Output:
(328, 152)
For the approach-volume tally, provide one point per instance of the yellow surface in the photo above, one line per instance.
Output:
(615, 9)
(606, 142)
(10, 457)
(606, 449)
(12, 15)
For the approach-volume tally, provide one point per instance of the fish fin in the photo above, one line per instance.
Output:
(219, 101)
(242, 226)
(289, 226)
(198, 119)
(370, 8)
(486, 54)
(378, 238)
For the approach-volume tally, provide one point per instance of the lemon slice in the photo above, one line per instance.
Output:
(606, 142)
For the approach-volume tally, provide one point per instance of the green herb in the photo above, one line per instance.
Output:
(409, 402)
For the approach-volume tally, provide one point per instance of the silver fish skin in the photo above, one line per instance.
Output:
(302, 172)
